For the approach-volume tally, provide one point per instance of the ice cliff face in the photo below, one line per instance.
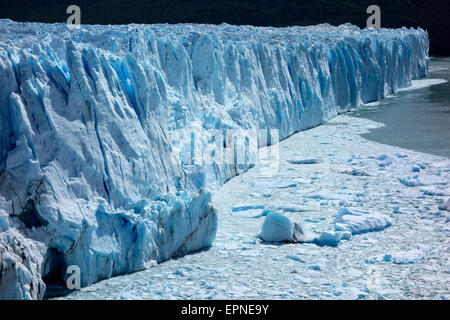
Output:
(93, 168)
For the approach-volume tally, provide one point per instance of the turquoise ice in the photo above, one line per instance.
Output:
(91, 119)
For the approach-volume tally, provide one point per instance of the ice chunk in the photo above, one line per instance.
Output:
(417, 180)
(4, 224)
(295, 258)
(331, 239)
(356, 172)
(385, 160)
(279, 228)
(357, 221)
(346, 235)
(445, 206)
(305, 161)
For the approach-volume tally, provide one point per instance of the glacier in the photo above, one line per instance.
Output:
(101, 128)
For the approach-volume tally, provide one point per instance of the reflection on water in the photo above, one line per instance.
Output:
(417, 119)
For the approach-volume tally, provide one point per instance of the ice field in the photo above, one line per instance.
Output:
(407, 258)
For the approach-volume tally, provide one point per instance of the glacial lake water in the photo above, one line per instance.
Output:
(415, 119)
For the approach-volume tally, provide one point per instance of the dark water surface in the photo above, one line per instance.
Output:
(417, 119)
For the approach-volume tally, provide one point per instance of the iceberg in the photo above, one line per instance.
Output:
(279, 228)
(358, 221)
(113, 137)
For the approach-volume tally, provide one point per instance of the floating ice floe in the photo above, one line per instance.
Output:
(356, 172)
(417, 167)
(279, 228)
(295, 258)
(397, 210)
(385, 160)
(357, 221)
(291, 208)
(4, 224)
(249, 211)
(331, 239)
(247, 207)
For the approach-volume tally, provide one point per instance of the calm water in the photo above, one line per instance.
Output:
(417, 119)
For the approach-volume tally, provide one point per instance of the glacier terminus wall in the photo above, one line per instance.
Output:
(91, 120)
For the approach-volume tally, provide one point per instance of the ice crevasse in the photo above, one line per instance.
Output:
(91, 120)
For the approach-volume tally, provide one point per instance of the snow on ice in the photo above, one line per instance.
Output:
(405, 257)
(321, 270)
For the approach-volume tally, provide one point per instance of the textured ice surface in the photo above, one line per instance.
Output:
(92, 121)
(240, 266)
(328, 239)
(359, 221)
(4, 224)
